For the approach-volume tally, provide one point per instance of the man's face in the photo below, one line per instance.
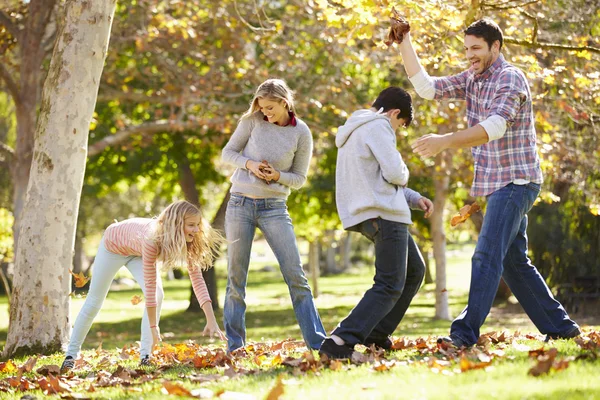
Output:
(479, 54)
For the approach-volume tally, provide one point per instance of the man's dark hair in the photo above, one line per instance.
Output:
(487, 30)
(395, 97)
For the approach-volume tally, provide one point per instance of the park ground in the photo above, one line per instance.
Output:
(499, 369)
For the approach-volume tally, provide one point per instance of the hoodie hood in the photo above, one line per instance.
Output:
(356, 120)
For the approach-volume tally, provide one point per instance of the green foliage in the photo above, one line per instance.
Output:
(565, 241)
(6, 235)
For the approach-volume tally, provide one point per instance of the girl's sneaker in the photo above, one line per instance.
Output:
(145, 361)
(67, 365)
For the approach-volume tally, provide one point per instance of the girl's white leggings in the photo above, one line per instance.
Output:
(104, 270)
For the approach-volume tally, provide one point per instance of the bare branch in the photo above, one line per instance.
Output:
(248, 24)
(10, 83)
(507, 5)
(536, 25)
(184, 98)
(556, 46)
(10, 25)
(146, 129)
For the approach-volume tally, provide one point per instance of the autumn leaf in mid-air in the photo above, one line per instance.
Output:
(399, 28)
(464, 213)
(80, 279)
(136, 299)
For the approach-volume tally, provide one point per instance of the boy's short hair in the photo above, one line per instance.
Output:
(487, 30)
(395, 97)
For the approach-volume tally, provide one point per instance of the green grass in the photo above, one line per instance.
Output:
(270, 317)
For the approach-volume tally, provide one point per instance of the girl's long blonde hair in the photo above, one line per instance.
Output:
(169, 237)
(272, 89)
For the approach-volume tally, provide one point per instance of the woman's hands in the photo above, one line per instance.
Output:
(263, 170)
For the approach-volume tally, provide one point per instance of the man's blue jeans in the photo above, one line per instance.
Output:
(270, 215)
(501, 251)
(399, 272)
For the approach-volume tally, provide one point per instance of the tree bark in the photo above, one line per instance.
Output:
(39, 317)
(210, 276)
(438, 234)
(313, 262)
(30, 80)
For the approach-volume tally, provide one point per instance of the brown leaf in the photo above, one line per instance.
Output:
(399, 28)
(544, 363)
(277, 390)
(175, 389)
(29, 364)
(464, 213)
(49, 369)
(80, 279)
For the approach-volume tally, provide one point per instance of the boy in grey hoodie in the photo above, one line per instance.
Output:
(371, 199)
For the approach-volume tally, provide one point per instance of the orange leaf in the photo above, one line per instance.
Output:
(137, 299)
(176, 389)
(467, 365)
(464, 213)
(277, 390)
(80, 279)
(7, 367)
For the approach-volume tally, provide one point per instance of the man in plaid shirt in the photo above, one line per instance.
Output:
(501, 134)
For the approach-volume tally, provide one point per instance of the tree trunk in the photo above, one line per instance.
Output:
(428, 276)
(39, 318)
(331, 265)
(210, 275)
(313, 262)
(30, 80)
(345, 247)
(438, 234)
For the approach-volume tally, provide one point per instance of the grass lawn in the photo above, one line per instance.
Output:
(270, 318)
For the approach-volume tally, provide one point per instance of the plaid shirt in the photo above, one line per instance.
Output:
(501, 90)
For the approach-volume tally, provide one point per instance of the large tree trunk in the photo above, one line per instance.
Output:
(438, 234)
(210, 275)
(32, 56)
(39, 318)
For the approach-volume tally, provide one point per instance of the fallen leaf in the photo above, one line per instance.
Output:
(544, 363)
(467, 365)
(175, 389)
(49, 370)
(7, 367)
(464, 213)
(80, 279)
(277, 390)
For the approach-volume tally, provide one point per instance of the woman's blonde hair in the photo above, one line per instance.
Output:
(174, 250)
(272, 89)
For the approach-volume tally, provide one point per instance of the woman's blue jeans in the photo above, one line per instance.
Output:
(270, 215)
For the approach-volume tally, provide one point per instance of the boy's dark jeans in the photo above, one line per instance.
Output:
(399, 272)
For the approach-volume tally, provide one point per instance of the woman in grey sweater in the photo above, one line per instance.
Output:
(271, 149)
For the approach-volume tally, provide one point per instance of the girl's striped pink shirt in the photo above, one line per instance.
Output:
(132, 237)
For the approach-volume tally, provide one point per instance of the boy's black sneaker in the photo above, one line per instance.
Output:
(67, 365)
(335, 351)
(573, 333)
(382, 344)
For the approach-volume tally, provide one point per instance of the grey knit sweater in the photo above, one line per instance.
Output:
(370, 174)
(287, 148)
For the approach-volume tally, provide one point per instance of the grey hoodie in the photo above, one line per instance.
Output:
(370, 174)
